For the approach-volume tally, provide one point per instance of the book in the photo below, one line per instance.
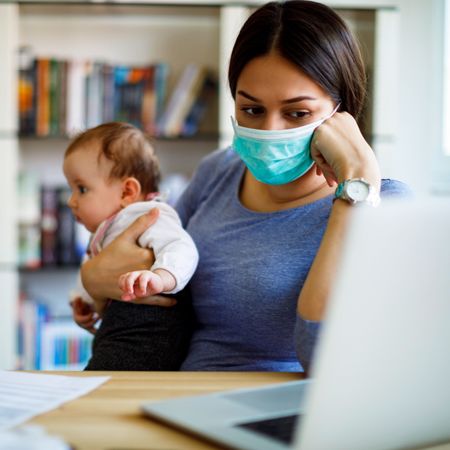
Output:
(204, 102)
(27, 94)
(149, 100)
(181, 100)
(49, 225)
(66, 251)
(108, 92)
(43, 97)
(129, 86)
(93, 93)
(160, 85)
(54, 93)
(76, 97)
(32, 319)
(62, 106)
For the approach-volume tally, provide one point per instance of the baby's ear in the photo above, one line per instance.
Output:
(131, 191)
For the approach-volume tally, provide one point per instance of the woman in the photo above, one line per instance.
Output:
(262, 213)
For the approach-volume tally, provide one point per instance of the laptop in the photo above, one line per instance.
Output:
(381, 374)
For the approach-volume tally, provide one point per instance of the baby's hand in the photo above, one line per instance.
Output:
(84, 314)
(139, 284)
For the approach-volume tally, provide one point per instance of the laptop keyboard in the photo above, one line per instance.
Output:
(281, 428)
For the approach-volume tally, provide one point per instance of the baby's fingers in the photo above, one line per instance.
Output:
(124, 281)
(130, 279)
(143, 282)
(128, 296)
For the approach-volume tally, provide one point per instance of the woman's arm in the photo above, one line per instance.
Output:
(100, 274)
(340, 152)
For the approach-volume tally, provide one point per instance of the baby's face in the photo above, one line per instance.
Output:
(94, 198)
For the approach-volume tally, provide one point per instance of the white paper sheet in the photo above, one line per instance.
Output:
(30, 437)
(25, 395)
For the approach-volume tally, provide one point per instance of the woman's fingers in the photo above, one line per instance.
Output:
(140, 225)
(123, 282)
(341, 152)
(100, 274)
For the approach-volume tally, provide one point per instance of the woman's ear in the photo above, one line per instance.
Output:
(131, 191)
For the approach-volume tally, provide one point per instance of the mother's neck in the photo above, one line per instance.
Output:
(262, 197)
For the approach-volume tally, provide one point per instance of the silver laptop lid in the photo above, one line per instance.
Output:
(382, 374)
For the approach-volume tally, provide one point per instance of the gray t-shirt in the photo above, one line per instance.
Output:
(252, 267)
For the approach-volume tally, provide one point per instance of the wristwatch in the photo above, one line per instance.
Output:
(357, 191)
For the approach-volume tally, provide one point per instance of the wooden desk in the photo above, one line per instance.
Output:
(109, 418)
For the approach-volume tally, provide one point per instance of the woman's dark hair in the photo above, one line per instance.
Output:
(314, 38)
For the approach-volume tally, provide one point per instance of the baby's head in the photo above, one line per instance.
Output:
(108, 168)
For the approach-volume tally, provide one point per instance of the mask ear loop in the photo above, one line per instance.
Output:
(333, 112)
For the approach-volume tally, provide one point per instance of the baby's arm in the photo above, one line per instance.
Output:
(176, 257)
(84, 314)
(143, 283)
(175, 251)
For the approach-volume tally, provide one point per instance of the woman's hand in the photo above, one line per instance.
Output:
(341, 152)
(100, 274)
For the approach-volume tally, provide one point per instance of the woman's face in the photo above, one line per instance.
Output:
(274, 94)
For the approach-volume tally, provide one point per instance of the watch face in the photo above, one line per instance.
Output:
(358, 190)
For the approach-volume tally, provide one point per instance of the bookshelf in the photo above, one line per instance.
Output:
(141, 32)
(125, 34)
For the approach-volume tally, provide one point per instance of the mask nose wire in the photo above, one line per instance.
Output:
(235, 124)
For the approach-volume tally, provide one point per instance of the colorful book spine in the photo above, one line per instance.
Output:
(43, 98)
(66, 250)
(204, 100)
(76, 97)
(27, 98)
(54, 97)
(170, 118)
(49, 226)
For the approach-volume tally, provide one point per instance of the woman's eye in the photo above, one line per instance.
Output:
(81, 189)
(253, 111)
(299, 114)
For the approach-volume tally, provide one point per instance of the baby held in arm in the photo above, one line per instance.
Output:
(269, 213)
(113, 174)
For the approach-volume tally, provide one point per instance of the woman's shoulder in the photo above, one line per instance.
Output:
(219, 160)
(214, 167)
(211, 170)
(391, 187)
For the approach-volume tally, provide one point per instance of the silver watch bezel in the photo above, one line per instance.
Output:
(372, 199)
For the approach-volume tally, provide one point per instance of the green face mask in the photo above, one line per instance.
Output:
(276, 156)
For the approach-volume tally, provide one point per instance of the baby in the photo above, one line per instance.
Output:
(113, 174)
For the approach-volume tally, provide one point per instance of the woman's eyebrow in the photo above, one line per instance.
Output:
(298, 99)
(289, 100)
(250, 97)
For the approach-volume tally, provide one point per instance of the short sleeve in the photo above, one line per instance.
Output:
(305, 334)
